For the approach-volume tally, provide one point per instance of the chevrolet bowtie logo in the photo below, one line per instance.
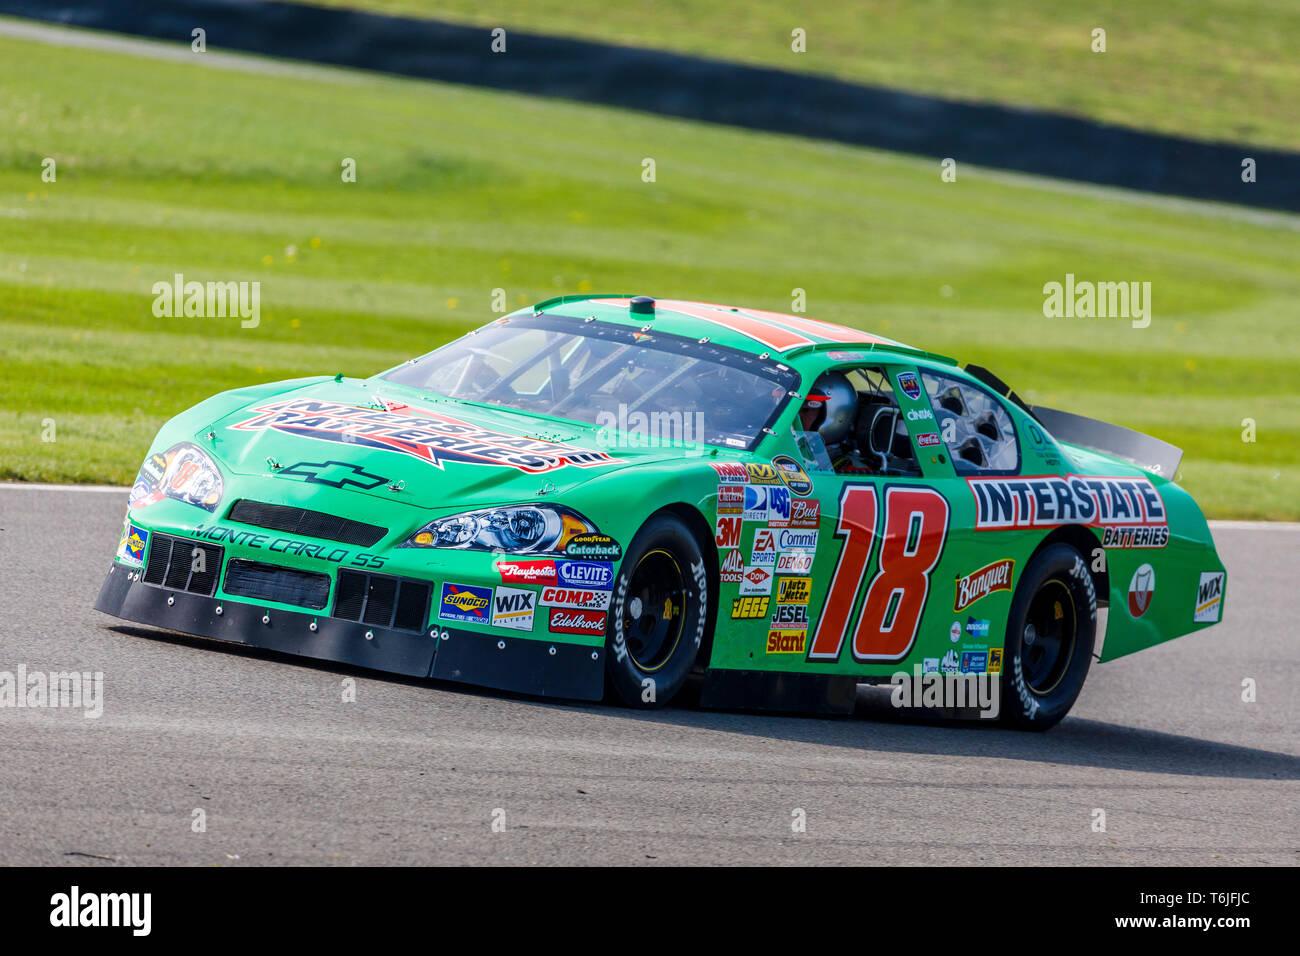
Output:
(336, 474)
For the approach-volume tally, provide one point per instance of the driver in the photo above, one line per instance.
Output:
(831, 410)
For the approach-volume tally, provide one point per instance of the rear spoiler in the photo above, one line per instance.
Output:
(1150, 454)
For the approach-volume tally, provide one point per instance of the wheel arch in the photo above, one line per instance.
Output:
(1085, 541)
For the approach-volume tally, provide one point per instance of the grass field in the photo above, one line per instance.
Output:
(1213, 69)
(223, 175)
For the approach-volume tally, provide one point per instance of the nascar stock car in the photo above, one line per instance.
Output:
(605, 494)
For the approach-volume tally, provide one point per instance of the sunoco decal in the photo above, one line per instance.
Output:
(429, 436)
(1051, 500)
(982, 583)
(464, 602)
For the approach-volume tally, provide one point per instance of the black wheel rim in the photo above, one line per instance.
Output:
(1051, 629)
(656, 604)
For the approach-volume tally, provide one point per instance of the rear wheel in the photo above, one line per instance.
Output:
(658, 614)
(1050, 636)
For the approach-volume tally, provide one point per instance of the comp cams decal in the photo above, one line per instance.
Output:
(432, 437)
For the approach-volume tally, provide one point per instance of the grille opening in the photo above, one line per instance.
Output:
(175, 563)
(311, 524)
(271, 582)
(382, 600)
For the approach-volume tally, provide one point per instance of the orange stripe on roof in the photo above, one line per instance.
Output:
(773, 336)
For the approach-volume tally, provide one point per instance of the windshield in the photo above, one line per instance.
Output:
(610, 375)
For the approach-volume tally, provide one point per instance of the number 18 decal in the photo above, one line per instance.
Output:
(914, 522)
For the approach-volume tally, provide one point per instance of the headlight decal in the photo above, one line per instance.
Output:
(184, 472)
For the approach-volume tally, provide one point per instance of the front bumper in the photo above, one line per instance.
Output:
(521, 665)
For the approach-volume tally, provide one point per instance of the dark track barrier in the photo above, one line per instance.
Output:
(1029, 141)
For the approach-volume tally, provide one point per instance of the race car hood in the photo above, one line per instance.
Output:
(374, 438)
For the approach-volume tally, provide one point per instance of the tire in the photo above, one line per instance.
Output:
(1050, 634)
(658, 614)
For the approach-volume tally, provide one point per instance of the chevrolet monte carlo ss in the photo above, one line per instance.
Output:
(606, 494)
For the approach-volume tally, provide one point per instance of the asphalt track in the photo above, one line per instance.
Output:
(415, 772)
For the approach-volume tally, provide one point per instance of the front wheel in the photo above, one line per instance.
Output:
(1050, 635)
(658, 614)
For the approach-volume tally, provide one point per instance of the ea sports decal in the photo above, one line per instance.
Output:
(432, 437)
(908, 383)
(1141, 589)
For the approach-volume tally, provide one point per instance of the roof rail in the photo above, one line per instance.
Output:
(562, 299)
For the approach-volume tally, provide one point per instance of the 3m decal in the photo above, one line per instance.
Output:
(792, 473)
(728, 535)
(747, 608)
(465, 602)
(915, 527)
(432, 437)
(574, 597)
(1209, 597)
(513, 608)
(1050, 500)
(1141, 589)
(979, 584)
(526, 572)
(564, 621)
(793, 590)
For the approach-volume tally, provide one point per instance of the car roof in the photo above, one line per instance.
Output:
(750, 330)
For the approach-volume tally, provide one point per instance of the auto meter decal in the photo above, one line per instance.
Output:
(432, 437)
(1049, 500)
(1141, 589)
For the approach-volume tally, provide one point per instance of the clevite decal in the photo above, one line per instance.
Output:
(432, 437)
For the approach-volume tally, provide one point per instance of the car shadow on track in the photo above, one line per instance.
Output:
(875, 726)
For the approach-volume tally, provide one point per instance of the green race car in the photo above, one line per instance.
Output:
(608, 494)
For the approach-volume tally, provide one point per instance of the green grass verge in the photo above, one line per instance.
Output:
(218, 174)
(1213, 69)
